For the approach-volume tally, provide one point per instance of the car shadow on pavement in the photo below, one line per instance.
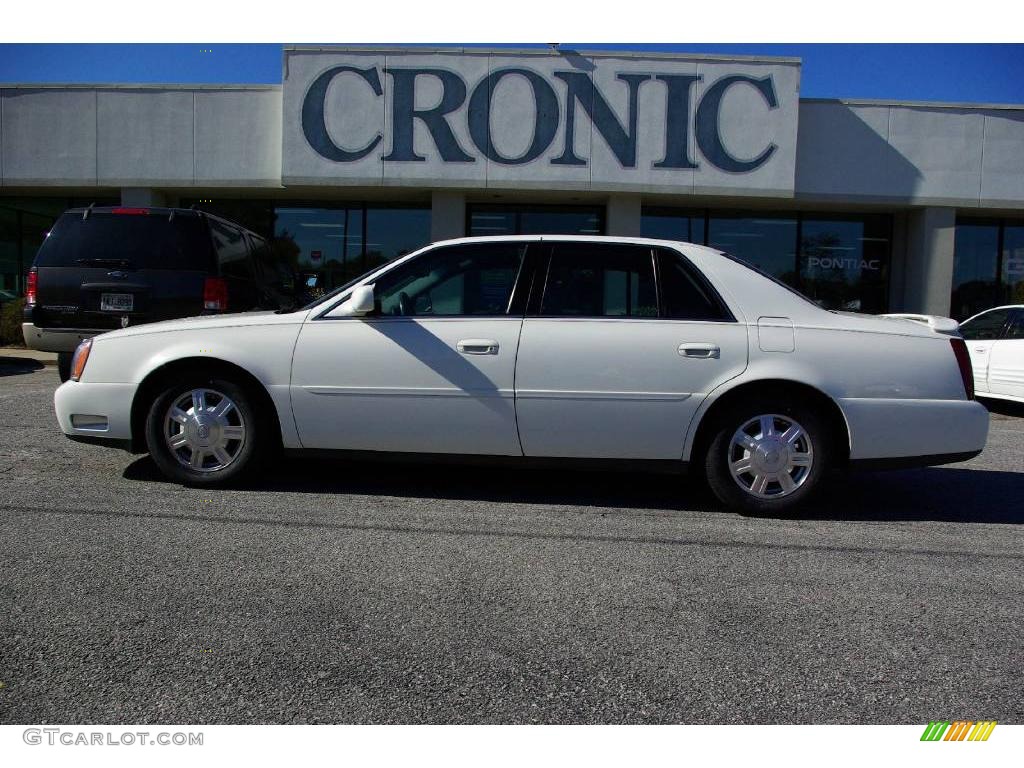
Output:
(942, 494)
(14, 366)
(1003, 407)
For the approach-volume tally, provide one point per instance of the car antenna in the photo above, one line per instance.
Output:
(88, 210)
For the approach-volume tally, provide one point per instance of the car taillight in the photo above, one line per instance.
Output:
(215, 294)
(963, 359)
(30, 287)
(131, 211)
(80, 359)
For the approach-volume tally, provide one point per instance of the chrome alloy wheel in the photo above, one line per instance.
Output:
(770, 456)
(204, 430)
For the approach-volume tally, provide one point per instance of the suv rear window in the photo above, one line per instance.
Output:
(133, 241)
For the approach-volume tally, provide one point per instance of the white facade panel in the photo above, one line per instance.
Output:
(944, 146)
(145, 137)
(49, 137)
(238, 138)
(1002, 169)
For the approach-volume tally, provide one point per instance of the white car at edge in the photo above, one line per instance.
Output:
(624, 351)
(995, 340)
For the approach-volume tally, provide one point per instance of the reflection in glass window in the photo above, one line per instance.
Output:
(765, 241)
(1013, 264)
(587, 280)
(324, 244)
(394, 232)
(331, 246)
(673, 224)
(844, 262)
(975, 268)
(10, 269)
(535, 220)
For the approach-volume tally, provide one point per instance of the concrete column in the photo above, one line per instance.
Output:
(622, 216)
(447, 215)
(143, 197)
(928, 277)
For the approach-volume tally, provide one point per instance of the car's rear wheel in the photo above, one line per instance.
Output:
(769, 457)
(203, 430)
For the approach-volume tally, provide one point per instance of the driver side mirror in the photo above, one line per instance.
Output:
(360, 303)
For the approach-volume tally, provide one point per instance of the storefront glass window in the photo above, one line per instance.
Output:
(673, 224)
(764, 241)
(10, 270)
(324, 244)
(975, 268)
(535, 220)
(24, 222)
(1013, 264)
(331, 246)
(844, 262)
(394, 232)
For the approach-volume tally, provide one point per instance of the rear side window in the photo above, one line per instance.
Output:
(985, 327)
(130, 241)
(232, 251)
(594, 280)
(685, 294)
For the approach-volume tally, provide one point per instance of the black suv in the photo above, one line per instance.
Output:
(106, 268)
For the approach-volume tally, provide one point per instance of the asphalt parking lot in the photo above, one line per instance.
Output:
(344, 592)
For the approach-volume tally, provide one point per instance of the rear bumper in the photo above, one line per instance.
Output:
(914, 432)
(56, 339)
(95, 412)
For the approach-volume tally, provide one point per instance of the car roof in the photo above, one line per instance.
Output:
(575, 239)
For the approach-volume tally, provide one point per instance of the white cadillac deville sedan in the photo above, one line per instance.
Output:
(627, 352)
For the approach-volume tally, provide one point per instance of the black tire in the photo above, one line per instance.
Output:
(64, 365)
(775, 500)
(247, 454)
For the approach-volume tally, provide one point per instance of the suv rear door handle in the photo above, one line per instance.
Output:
(478, 347)
(700, 350)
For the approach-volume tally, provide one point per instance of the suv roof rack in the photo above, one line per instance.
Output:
(85, 214)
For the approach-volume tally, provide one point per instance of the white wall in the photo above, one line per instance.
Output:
(911, 154)
(140, 136)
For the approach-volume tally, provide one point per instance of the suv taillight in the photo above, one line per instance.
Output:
(30, 287)
(963, 360)
(215, 294)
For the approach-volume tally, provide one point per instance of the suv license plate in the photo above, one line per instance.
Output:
(117, 302)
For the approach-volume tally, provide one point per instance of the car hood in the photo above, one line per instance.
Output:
(202, 322)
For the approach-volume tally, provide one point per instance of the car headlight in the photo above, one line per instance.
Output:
(80, 359)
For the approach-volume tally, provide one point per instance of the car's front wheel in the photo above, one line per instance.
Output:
(768, 458)
(203, 430)
(64, 365)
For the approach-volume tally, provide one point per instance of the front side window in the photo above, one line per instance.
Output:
(464, 280)
(985, 327)
(592, 280)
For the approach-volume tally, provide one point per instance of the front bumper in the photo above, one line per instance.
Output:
(95, 412)
(902, 429)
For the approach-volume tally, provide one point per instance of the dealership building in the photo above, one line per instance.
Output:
(364, 154)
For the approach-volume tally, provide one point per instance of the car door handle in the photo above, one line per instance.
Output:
(478, 347)
(700, 350)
